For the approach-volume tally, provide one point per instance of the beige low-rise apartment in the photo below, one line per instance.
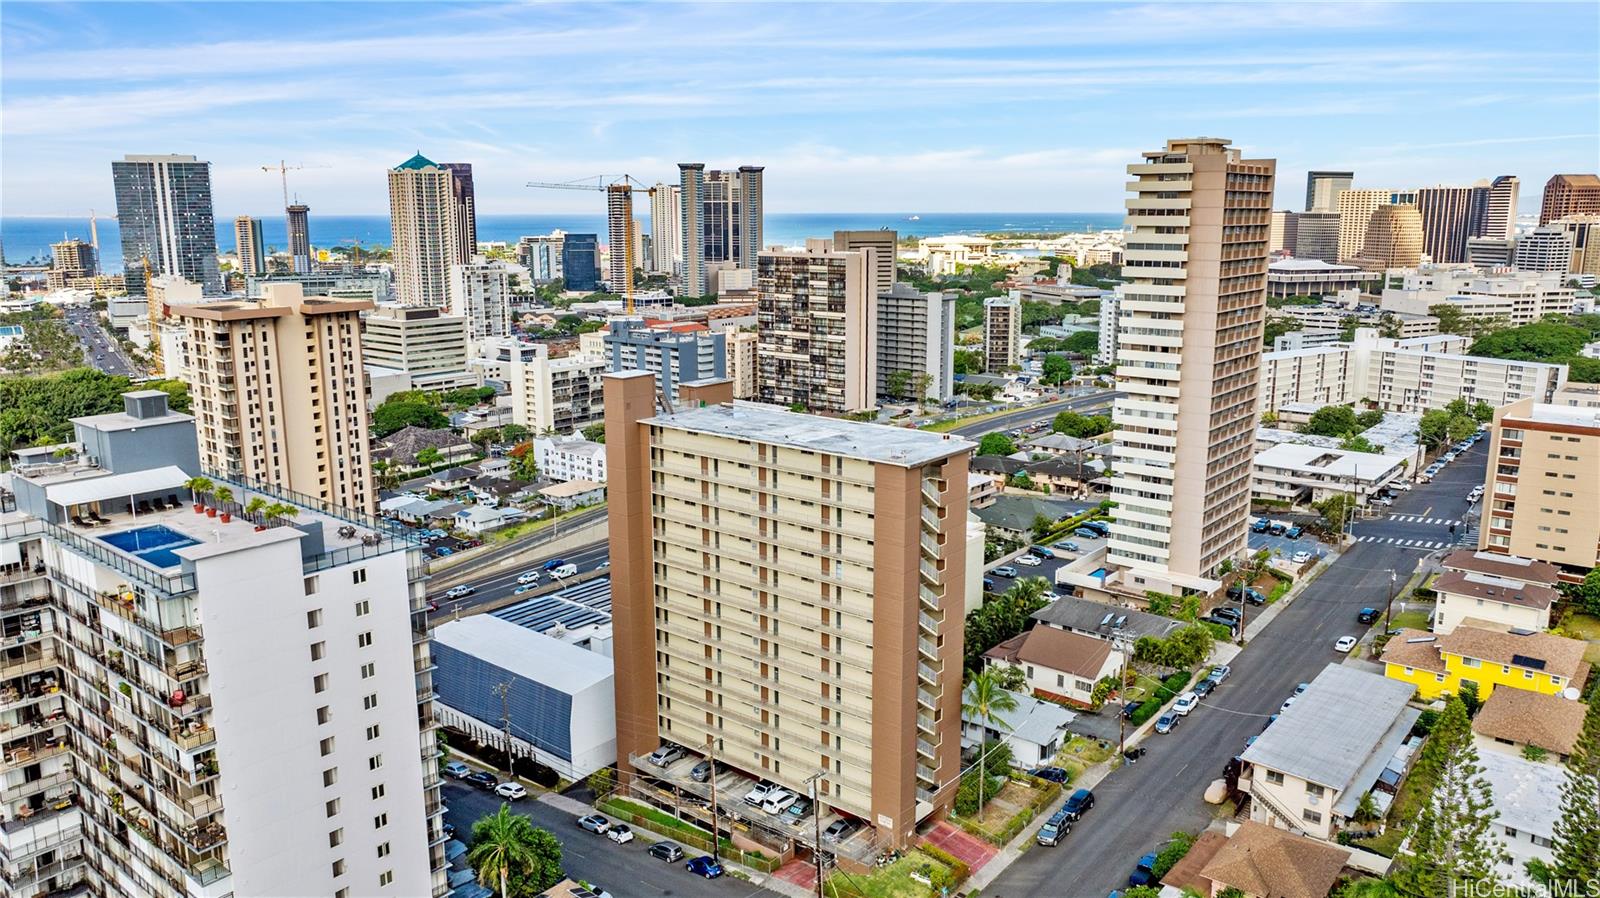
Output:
(554, 395)
(1519, 297)
(787, 592)
(1542, 496)
(279, 392)
(1495, 592)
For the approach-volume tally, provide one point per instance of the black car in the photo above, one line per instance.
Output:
(482, 779)
(1081, 801)
(1232, 614)
(1204, 687)
(1250, 594)
(1053, 774)
(666, 851)
(1100, 527)
(1132, 708)
(1367, 615)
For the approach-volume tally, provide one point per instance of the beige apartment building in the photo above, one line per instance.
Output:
(1520, 297)
(554, 395)
(279, 392)
(1542, 496)
(1355, 211)
(817, 328)
(881, 248)
(427, 344)
(788, 590)
(1002, 333)
(1408, 375)
(742, 366)
(1189, 361)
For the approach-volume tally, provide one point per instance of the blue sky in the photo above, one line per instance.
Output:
(852, 107)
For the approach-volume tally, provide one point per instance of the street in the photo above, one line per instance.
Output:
(99, 349)
(503, 583)
(623, 870)
(1421, 519)
(1091, 403)
(1139, 806)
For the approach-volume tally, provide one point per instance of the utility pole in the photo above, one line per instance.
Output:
(1388, 614)
(711, 757)
(504, 691)
(1121, 644)
(816, 823)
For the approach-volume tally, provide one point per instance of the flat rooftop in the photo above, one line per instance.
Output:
(1561, 414)
(768, 424)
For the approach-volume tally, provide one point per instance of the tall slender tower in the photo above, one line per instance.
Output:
(751, 213)
(1500, 217)
(299, 237)
(619, 237)
(1189, 357)
(425, 227)
(1447, 221)
(691, 188)
(247, 241)
(464, 207)
(666, 223)
(164, 211)
(1323, 189)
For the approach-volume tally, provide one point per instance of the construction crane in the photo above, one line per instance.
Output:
(283, 169)
(618, 192)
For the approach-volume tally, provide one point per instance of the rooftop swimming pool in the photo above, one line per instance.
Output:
(153, 545)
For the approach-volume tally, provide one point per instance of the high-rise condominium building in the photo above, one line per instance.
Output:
(1110, 319)
(164, 212)
(1545, 248)
(425, 228)
(743, 369)
(280, 392)
(1566, 195)
(880, 248)
(1323, 189)
(1540, 500)
(464, 207)
(1499, 218)
(674, 353)
(1585, 233)
(580, 262)
(298, 218)
(554, 394)
(787, 592)
(541, 255)
(71, 259)
(1280, 236)
(201, 705)
(817, 327)
(666, 229)
(620, 230)
(1448, 220)
(1393, 239)
(425, 343)
(250, 246)
(480, 292)
(916, 343)
(1316, 235)
(1002, 333)
(1189, 356)
(723, 222)
(1355, 212)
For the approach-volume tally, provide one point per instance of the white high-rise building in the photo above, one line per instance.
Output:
(916, 335)
(1188, 356)
(1106, 351)
(424, 228)
(240, 704)
(480, 292)
(1500, 215)
(666, 229)
(541, 255)
(1545, 248)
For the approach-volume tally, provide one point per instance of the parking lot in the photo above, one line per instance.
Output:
(1046, 567)
(1286, 546)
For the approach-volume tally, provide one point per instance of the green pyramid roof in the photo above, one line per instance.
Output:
(416, 163)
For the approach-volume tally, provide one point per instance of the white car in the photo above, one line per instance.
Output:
(1345, 644)
(620, 834)
(459, 591)
(1185, 704)
(511, 791)
(529, 577)
(758, 793)
(778, 801)
(1402, 486)
(1287, 702)
(1300, 557)
(1029, 560)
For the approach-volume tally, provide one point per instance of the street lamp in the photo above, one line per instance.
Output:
(1388, 614)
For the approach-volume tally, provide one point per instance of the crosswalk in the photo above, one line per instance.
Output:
(1419, 519)
(1406, 543)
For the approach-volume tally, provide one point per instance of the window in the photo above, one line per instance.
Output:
(370, 702)
(367, 670)
(330, 776)
(363, 639)
(318, 649)
(1274, 777)
(378, 791)
(342, 893)
(324, 715)
(314, 618)
(338, 867)
(358, 576)
(380, 821)
(1311, 816)
(1314, 790)
(363, 607)
(385, 878)
(383, 850)
(319, 683)
(332, 807)
(336, 838)
(327, 746)
(374, 762)
(372, 732)
(311, 587)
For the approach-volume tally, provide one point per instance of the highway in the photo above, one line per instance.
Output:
(503, 584)
(1091, 403)
(99, 349)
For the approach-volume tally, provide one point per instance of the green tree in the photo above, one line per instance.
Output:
(513, 855)
(1586, 595)
(392, 416)
(1577, 830)
(1359, 443)
(967, 361)
(1336, 510)
(1451, 319)
(1171, 853)
(1081, 426)
(595, 433)
(428, 456)
(1482, 412)
(996, 443)
(984, 700)
(1331, 421)
(1056, 370)
(1009, 677)
(898, 383)
(1084, 343)
(1347, 327)
(1369, 418)
(1452, 843)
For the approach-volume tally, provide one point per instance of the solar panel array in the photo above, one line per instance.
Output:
(576, 606)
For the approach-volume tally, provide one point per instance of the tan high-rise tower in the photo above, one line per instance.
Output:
(1393, 239)
(788, 589)
(1189, 358)
(425, 231)
(280, 392)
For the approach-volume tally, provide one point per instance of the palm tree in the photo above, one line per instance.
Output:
(281, 511)
(254, 508)
(500, 842)
(199, 486)
(983, 700)
(224, 496)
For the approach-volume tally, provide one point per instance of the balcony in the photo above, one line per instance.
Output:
(927, 674)
(927, 750)
(927, 649)
(926, 623)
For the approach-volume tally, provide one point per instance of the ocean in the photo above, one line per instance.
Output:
(28, 238)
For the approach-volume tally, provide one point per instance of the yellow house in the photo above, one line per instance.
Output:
(1437, 664)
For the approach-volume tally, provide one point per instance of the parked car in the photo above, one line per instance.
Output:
(1345, 644)
(1078, 804)
(665, 755)
(1204, 687)
(1300, 557)
(988, 584)
(1185, 703)
(1259, 525)
(1287, 703)
(595, 823)
(1053, 774)
(1086, 533)
(758, 794)
(704, 865)
(1294, 532)
(456, 770)
(1248, 593)
(701, 772)
(1231, 623)
(777, 801)
(620, 834)
(1228, 613)
(1301, 689)
(666, 851)
(798, 811)
(1403, 486)
(482, 779)
(1053, 832)
(839, 830)
(1277, 528)
(1041, 552)
(528, 577)
(456, 592)
(1166, 722)
(1068, 545)
(1029, 560)
(1004, 570)
(1385, 501)
(1367, 615)
(1131, 708)
(1220, 673)
(511, 791)
(1144, 873)
(1100, 527)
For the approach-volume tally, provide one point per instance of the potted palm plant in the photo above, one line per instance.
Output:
(253, 510)
(199, 486)
(282, 512)
(224, 498)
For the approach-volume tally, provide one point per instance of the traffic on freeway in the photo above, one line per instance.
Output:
(99, 349)
(522, 579)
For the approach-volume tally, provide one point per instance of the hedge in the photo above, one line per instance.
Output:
(1048, 792)
(959, 871)
(1171, 688)
(666, 824)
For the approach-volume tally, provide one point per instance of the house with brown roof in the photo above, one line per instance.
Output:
(1262, 862)
(1513, 720)
(1439, 664)
(1056, 663)
(1496, 592)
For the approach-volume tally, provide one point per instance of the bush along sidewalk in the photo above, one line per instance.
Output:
(658, 821)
